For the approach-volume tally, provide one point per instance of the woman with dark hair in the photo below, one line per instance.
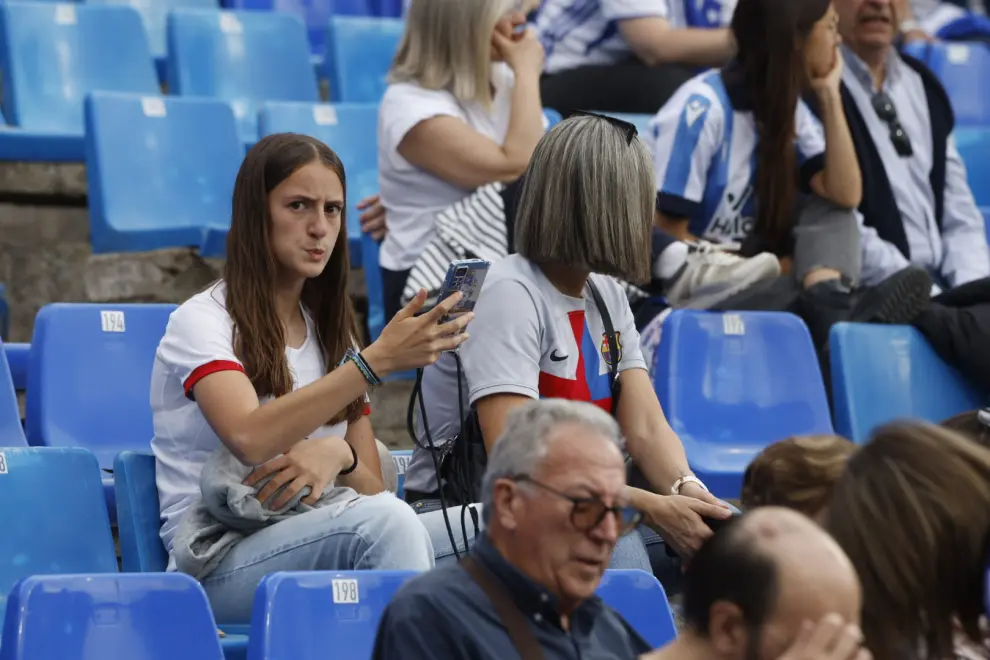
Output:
(741, 159)
(264, 366)
(912, 511)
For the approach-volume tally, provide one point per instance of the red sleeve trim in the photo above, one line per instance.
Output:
(367, 409)
(204, 370)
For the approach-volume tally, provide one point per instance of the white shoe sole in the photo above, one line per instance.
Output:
(759, 269)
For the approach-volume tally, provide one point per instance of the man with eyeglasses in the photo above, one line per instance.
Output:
(917, 205)
(554, 506)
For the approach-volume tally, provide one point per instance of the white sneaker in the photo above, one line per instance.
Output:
(712, 275)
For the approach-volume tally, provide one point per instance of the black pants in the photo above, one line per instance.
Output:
(626, 87)
(957, 325)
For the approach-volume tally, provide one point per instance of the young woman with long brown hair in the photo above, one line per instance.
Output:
(265, 364)
(740, 158)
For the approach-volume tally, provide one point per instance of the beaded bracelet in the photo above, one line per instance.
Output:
(369, 375)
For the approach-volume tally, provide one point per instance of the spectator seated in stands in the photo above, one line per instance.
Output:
(733, 144)
(917, 206)
(954, 20)
(912, 511)
(551, 324)
(279, 330)
(554, 507)
(462, 110)
(771, 584)
(797, 473)
(628, 56)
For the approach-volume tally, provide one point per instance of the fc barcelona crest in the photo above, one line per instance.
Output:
(607, 354)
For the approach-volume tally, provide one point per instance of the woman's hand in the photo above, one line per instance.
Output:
(313, 462)
(691, 489)
(829, 639)
(410, 341)
(373, 217)
(524, 54)
(680, 520)
(830, 82)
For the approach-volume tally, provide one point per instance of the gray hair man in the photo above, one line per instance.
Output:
(554, 505)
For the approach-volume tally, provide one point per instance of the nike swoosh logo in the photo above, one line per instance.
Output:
(557, 358)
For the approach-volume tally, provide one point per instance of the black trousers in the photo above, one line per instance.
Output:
(626, 87)
(957, 325)
(393, 282)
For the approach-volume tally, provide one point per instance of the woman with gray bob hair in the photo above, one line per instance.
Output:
(587, 201)
(550, 323)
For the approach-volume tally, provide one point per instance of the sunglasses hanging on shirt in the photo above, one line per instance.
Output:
(888, 113)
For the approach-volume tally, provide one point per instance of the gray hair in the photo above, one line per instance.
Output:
(447, 46)
(587, 201)
(523, 445)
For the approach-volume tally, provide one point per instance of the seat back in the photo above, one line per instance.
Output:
(300, 615)
(351, 130)
(138, 513)
(314, 13)
(885, 372)
(153, 15)
(242, 57)
(91, 617)
(54, 515)
(974, 147)
(401, 457)
(11, 431)
(957, 65)
(641, 600)
(92, 366)
(359, 55)
(732, 383)
(53, 54)
(160, 171)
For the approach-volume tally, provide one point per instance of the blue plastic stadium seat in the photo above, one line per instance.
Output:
(295, 614)
(52, 55)
(160, 171)
(138, 513)
(242, 57)
(733, 383)
(885, 372)
(974, 147)
(54, 516)
(359, 56)
(315, 13)
(138, 524)
(388, 8)
(640, 599)
(92, 366)
(93, 617)
(11, 431)
(351, 130)
(153, 14)
(18, 356)
(959, 66)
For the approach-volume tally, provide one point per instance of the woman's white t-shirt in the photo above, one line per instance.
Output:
(198, 342)
(412, 196)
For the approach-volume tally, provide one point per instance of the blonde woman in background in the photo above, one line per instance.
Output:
(462, 110)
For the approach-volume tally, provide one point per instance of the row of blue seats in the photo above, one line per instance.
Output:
(53, 55)
(296, 615)
(730, 383)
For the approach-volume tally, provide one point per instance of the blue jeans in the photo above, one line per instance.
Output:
(379, 532)
(645, 551)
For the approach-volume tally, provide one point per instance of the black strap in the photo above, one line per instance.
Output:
(512, 618)
(613, 345)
